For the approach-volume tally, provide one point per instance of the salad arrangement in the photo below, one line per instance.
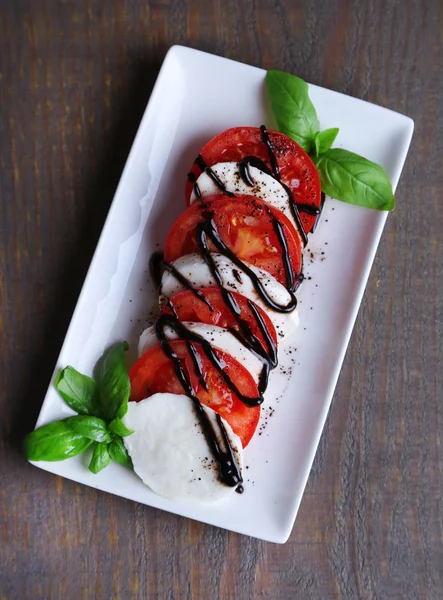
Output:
(232, 264)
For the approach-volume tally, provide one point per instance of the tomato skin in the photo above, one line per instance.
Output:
(245, 225)
(297, 170)
(188, 307)
(154, 373)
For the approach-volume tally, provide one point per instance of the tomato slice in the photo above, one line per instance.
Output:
(246, 226)
(189, 307)
(154, 373)
(297, 170)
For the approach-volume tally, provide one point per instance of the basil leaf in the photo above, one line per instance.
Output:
(77, 390)
(119, 428)
(293, 110)
(113, 383)
(100, 457)
(118, 452)
(324, 140)
(92, 428)
(354, 179)
(54, 441)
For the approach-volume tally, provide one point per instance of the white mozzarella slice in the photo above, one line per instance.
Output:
(196, 271)
(217, 336)
(169, 451)
(265, 187)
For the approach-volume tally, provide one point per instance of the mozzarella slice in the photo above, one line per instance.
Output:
(196, 271)
(217, 336)
(169, 451)
(265, 187)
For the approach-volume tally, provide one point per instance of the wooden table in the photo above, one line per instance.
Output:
(74, 80)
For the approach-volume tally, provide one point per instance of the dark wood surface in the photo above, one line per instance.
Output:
(75, 77)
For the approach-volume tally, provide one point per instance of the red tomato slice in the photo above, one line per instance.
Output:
(297, 170)
(245, 225)
(188, 307)
(154, 373)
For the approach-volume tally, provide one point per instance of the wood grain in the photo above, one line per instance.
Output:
(74, 80)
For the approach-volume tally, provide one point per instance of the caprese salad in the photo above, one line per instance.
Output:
(232, 263)
(228, 277)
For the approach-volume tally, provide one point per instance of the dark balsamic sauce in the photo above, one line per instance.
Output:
(309, 209)
(197, 364)
(193, 179)
(155, 267)
(245, 173)
(218, 182)
(184, 333)
(208, 229)
(252, 161)
(320, 210)
(237, 275)
(279, 232)
(272, 158)
(276, 174)
(186, 283)
(200, 162)
(229, 470)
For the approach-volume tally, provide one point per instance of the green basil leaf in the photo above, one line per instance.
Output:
(54, 441)
(113, 383)
(77, 390)
(351, 178)
(324, 140)
(293, 110)
(100, 457)
(119, 428)
(92, 428)
(118, 452)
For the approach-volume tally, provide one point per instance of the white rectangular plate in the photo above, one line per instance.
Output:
(196, 96)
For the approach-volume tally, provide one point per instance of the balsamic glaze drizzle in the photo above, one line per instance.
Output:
(200, 162)
(276, 172)
(208, 229)
(186, 283)
(218, 182)
(244, 334)
(252, 161)
(155, 267)
(245, 174)
(228, 467)
(319, 211)
(193, 179)
(271, 150)
(279, 231)
(184, 333)
(229, 470)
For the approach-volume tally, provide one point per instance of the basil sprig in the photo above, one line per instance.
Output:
(93, 428)
(100, 458)
(77, 390)
(293, 110)
(354, 179)
(100, 404)
(119, 428)
(113, 386)
(55, 441)
(118, 453)
(344, 175)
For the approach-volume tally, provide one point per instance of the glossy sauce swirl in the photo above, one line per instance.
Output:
(207, 230)
(244, 163)
(229, 471)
